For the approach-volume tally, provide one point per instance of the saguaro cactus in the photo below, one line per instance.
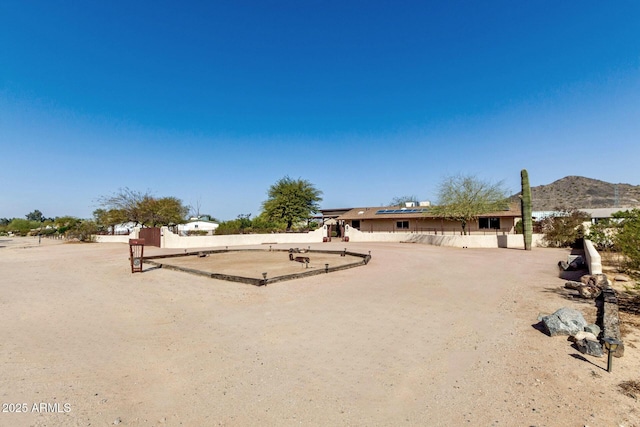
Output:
(527, 226)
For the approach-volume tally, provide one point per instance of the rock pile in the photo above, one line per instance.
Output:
(567, 321)
(590, 285)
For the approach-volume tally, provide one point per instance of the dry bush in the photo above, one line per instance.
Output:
(630, 388)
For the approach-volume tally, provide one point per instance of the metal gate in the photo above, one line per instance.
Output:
(151, 236)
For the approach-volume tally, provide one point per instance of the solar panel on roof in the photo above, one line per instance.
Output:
(400, 211)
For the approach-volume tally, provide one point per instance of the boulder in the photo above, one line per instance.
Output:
(621, 278)
(576, 262)
(589, 291)
(599, 280)
(573, 285)
(593, 328)
(565, 321)
(585, 290)
(587, 343)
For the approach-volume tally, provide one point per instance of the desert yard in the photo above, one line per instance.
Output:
(422, 335)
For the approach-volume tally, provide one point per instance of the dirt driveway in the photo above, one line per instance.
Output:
(422, 335)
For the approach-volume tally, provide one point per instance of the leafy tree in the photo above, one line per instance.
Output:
(143, 208)
(36, 215)
(602, 234)
(464, 198)
(164, 211)
(291, 201)
(22, 227)
(108, 219)
(565, 229)
(84, 231)
(244, 224)
(4, 222)
(627, 238)
(65, 223)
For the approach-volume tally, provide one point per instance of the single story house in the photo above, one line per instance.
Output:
(420, 220)
(197, 225)
(599, 214)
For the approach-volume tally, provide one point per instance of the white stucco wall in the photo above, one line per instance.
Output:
(469, 241)
(171, 240)
(594, 261)
(118, 238)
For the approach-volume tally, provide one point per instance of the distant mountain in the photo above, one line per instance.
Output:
(580, 192)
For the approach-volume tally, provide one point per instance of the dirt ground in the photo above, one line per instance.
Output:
(421, 335)
(253, 263)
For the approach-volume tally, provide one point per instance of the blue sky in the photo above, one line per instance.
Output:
(214, 101)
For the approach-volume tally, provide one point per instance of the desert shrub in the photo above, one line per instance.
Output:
(48, 231)
(244, 225)
(627, 237)
(84, 231)
(228, 227)
(565, 229)
(22, 227)
(519, 228)
(602, 234)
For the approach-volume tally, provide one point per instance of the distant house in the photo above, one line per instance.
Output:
(418, 219)
(124, 228)
(196, 224)
(600, 214)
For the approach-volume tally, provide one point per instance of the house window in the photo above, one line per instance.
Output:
(489, 223)
(402, 224)
(355, 223)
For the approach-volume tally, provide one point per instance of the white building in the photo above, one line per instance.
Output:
(195, 224)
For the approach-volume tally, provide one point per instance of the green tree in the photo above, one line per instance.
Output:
(464, 198)
(143, 208)
(22, 227)
(164, 211)
(565, 229)
(36, 215)
(602, 234)
(83, 231)
(627, 238)
(65, 223)
(108, 219)
(291, 201)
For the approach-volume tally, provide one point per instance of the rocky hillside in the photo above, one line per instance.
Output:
(580, 192)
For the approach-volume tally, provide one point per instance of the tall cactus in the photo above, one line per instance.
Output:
(527, 226)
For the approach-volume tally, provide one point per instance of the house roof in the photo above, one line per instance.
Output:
(394, 212)
(603, 212)
(333, 212)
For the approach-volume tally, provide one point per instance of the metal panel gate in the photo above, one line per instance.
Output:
(151, 236)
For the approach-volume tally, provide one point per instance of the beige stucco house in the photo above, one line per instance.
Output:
(420, 220)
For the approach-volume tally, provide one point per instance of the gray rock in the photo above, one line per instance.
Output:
(565, 321)
(593, 328)
(587, 343)
(576, 262)
(621, 278)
